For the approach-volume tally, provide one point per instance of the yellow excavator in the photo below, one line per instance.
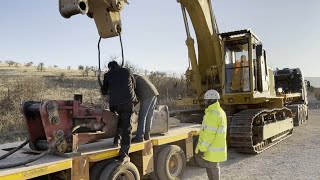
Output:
(234, 63)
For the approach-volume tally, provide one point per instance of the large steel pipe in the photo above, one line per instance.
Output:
(69, 8)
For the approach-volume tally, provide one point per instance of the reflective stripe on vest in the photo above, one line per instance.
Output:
(216, 112)
(220, 130)
(217, 149)
(205, 143)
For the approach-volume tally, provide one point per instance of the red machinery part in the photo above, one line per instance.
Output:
(63, 125)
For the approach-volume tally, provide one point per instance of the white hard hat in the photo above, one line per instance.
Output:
(212, 94)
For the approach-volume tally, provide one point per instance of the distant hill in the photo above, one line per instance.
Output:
(314, 81)
(22, 70)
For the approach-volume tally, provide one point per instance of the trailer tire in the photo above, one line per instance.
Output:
(171, 163)
(304, 114)
(153, 175)
(113, 171)
(96, 169)
(299, 117)
(307, 113)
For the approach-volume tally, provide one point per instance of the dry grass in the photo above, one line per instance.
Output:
(21, 84)
(5, 69)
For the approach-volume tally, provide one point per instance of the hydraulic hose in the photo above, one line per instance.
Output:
(14, 150)
(30, 160)
(78, 126)
(25, 162)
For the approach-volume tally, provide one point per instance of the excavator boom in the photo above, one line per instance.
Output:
(106, 14)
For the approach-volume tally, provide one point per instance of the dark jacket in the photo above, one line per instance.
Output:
(144, 88)
(119, 84)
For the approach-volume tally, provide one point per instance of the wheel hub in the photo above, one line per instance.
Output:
(126, 175)
(175, 165)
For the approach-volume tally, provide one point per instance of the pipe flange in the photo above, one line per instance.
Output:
(62, 146)
(59, 134)
(61, 143)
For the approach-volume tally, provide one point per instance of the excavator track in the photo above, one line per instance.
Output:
(245, 129)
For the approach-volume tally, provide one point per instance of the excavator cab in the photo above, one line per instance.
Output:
(245, 69)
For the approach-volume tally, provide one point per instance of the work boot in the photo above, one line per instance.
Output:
(124, 155)
(116, 145)
(116, 142)
(147, 136)
(123, 160)
(137, 139)
(117, 138)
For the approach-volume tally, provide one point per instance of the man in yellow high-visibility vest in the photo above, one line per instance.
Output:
(212, 144)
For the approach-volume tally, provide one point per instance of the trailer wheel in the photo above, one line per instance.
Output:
(113, 171)
(171, 163)
(304, 114)
(307, 112)
(302, 117)
(96, 169)
(153, 175)
(299, 117)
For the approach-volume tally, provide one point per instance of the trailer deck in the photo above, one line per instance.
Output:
(94, 152)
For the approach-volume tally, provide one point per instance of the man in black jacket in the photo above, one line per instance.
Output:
(119, 84)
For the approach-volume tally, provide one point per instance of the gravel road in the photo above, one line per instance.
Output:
(297, 157)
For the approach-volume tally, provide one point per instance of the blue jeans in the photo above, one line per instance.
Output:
(146, 115)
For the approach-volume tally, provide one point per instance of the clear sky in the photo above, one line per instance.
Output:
(154, 35)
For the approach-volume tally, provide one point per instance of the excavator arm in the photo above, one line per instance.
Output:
(208, 64)
(106, 13)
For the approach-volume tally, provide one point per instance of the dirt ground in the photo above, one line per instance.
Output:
(297, 157)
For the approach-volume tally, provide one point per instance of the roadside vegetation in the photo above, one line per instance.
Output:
(36, 82)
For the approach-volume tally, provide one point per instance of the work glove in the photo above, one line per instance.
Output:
(200, 154)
